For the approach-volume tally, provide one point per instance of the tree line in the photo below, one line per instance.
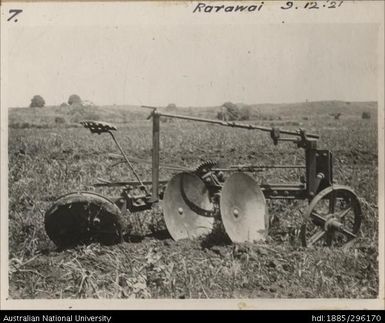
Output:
(38, 101)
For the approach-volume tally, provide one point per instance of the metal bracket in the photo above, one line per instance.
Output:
(275, 134)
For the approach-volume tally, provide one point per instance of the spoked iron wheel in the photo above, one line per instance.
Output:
(333, 218)
(82, 218)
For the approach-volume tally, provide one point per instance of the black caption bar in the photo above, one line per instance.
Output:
(127, 316)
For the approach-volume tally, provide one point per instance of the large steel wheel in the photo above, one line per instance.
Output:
(333, 218)
(82, 218)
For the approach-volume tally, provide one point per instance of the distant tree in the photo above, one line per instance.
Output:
(229, 111)
(365, 115)
(221, 115)
(74, 99)
(64, 105)
(245, 113)
(171, 107)
(37, 102)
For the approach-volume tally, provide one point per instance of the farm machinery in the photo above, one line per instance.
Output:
(193, 198)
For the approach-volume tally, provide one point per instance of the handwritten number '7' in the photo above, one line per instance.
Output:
(14, 13)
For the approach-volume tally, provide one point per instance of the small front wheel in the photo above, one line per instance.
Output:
(333, 218)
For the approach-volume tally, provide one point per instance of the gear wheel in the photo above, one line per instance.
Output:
(205, 167)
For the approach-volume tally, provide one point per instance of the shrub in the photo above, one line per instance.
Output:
(37, 102)
(74, 99)
(60, 120)
(19, 125)
(365, 115)
(170, 107)
(221, 116)
(245, 113)
(230, 111)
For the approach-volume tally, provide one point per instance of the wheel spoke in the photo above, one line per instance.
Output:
(340, 215)
(318, 217)
(313, 239)
(348, 233)
(332, 202)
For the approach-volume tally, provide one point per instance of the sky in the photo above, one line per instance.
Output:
(193, 64)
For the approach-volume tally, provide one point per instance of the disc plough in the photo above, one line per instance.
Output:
(193, 198)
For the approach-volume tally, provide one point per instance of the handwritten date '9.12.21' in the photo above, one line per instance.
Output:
(312, 5)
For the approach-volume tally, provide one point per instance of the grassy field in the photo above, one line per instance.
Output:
(51, 154)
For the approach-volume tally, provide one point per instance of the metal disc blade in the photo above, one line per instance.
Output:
(187, 207)
(82, 218)
(243, 209)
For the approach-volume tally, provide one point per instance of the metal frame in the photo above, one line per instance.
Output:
(318, 163)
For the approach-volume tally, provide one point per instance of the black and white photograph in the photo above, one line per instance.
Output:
(192, 155)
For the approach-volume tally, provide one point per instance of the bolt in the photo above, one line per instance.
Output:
(180, 211)
(236, 212)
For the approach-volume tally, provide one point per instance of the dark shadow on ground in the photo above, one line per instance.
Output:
(217, 237)
(135, 238)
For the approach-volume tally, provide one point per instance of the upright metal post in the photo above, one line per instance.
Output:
(311, 168)
(155, 156)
